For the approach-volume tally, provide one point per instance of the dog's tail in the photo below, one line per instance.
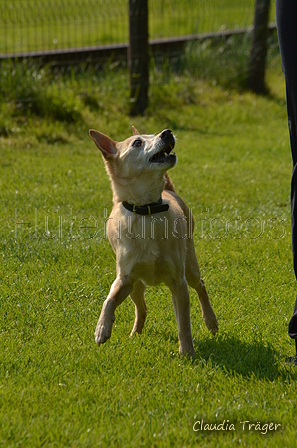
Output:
(168, 183)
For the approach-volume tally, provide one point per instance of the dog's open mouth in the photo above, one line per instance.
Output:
(164, 155)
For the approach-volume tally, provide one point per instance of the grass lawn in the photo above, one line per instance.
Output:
(57, 388)
(56, 24)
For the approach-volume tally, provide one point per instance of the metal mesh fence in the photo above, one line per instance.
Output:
(29, 25)
(68, 40)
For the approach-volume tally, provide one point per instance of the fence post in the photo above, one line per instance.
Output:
(256, 71)
(138, 57)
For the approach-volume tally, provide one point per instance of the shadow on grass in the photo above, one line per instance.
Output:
(249, 359)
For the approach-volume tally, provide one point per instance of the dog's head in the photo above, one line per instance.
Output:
(140, 159)
(142, 152)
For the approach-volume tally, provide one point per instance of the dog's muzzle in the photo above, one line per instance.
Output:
(165, 154)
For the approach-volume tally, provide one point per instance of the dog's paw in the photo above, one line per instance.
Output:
(103, 332)
(189, 352)
(211, 322)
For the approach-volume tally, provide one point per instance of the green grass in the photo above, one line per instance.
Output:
(57, 388)
(43, 25)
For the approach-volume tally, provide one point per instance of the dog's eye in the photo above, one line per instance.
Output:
(137, 143)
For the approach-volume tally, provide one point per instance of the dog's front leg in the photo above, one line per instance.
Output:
(120, 289)
(137, 295)
(181, 303)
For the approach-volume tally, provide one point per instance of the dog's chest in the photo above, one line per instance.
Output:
(125, 228)
(145, 248)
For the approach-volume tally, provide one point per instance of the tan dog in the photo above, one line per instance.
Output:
(150, 230)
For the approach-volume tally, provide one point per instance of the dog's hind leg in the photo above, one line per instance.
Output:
(120, 289)
(195, 281)
(137, 295)
(181, 303)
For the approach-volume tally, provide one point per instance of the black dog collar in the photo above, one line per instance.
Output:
(147, 209)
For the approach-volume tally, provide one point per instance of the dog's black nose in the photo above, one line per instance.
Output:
(166, 133)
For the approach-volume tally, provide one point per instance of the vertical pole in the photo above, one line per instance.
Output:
(138, 57)
(256, 75)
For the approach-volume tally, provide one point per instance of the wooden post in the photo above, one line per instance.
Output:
(256, 71)
(138, 56)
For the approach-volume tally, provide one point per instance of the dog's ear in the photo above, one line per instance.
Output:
(106, 145)
(135, 132)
